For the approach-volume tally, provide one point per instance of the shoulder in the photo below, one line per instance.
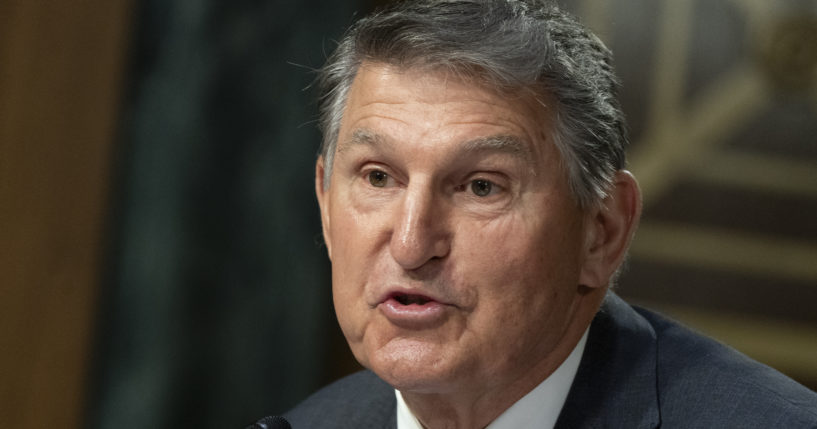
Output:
(714, 385)
(359, 400)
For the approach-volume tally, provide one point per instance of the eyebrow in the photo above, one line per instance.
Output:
(500, 143)
(364, 137)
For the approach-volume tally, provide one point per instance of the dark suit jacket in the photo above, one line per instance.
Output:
(639, 370)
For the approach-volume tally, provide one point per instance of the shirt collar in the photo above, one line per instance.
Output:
(539, 408)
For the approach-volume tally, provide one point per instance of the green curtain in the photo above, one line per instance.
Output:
(216, 304)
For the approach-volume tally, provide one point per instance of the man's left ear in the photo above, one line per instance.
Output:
(609, 229)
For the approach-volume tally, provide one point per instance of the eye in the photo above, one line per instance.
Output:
(378, 178)
(481, 187)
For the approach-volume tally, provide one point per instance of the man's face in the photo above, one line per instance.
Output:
(456, 247)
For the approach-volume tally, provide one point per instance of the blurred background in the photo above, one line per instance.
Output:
(160, 259)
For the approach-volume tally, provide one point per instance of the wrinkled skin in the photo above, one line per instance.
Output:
(453, 194)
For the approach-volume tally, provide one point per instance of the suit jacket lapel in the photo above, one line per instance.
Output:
(385, 418)
(380, 412)
(616, 382)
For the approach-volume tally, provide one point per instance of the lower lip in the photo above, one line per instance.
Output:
(413, 316)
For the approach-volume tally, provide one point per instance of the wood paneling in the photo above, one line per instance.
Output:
(60, 74)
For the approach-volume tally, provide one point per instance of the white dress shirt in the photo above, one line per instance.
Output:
(539, 408)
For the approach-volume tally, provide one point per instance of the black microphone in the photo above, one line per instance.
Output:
(271, 422)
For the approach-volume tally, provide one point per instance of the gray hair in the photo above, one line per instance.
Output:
(509, 45)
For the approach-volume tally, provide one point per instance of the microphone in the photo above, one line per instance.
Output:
(271, 422)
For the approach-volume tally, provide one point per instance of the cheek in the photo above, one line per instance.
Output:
(347, 259)
(350, 310)
(358, 239)
(522, 270)
(349, 233)
(517, 249)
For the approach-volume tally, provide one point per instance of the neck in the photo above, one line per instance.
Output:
(475, 407)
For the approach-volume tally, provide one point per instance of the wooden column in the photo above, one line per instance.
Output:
(61, 66)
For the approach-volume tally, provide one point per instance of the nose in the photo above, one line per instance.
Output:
(420, 229)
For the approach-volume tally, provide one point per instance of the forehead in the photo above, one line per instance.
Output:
(435, 100)
(390, 83)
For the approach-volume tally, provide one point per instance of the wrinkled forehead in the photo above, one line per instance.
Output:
(467, 73)
(379, 87)
(533, 104)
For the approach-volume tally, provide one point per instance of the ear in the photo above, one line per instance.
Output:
(323, 202)
(609, 230)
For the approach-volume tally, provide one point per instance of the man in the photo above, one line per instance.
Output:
(476, 209)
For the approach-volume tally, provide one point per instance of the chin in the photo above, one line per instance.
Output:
(414, 366)
(414, 380)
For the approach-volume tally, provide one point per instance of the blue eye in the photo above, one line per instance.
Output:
(378, 178)
(481, 188)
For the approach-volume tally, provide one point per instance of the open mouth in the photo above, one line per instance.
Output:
(411, 299)
(407, 309)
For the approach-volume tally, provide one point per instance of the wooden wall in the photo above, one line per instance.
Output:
(60, 76)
